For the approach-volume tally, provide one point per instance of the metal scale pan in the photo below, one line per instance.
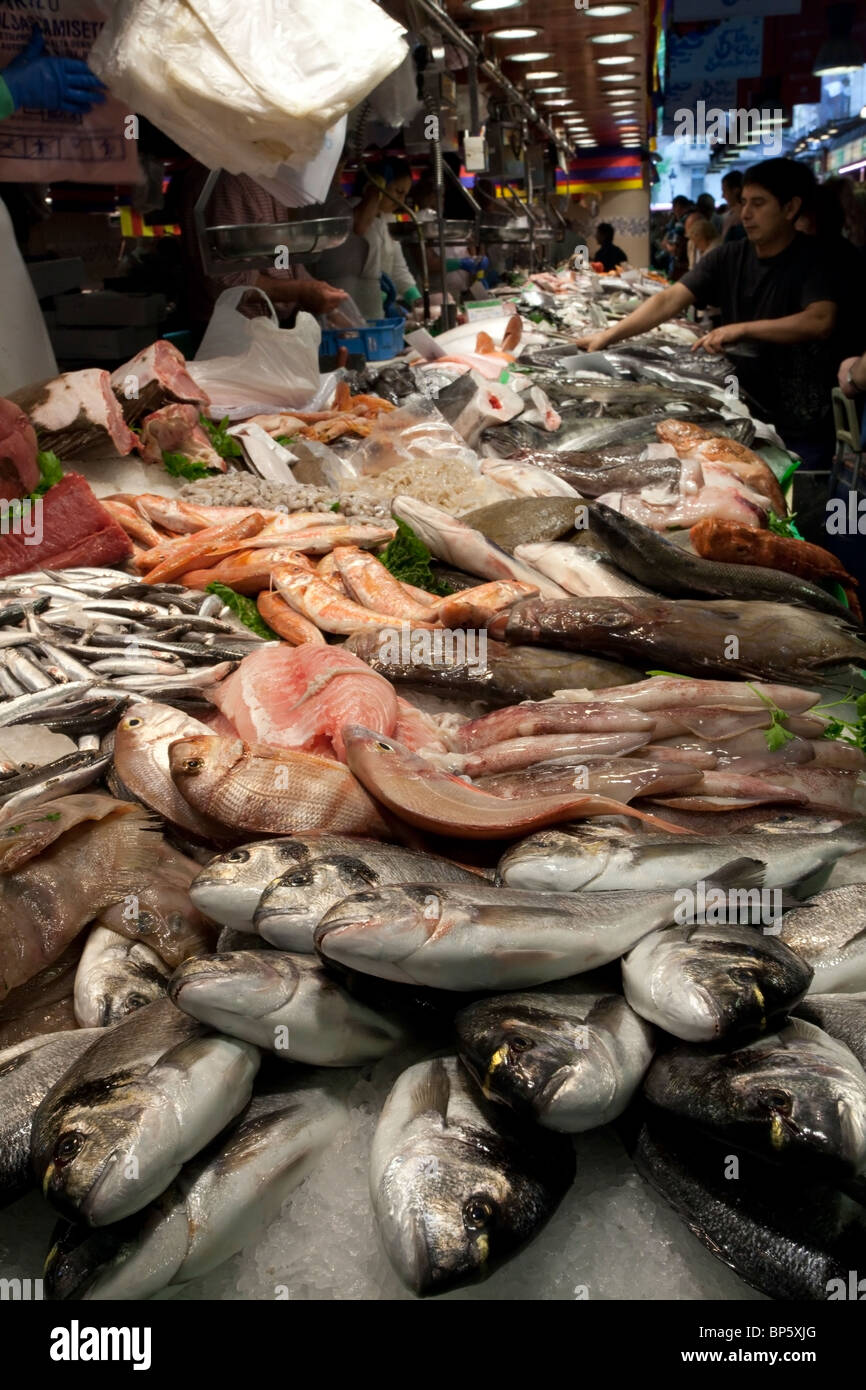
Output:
(254, 246)
(457, 232)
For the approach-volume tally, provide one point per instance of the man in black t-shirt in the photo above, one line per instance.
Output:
(778, 303)
(609, 255)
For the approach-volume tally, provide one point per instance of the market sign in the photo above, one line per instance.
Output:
(706, 64)
(851, 153)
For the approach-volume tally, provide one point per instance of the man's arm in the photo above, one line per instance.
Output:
(812, 324)
(852, 376)
(661, 307)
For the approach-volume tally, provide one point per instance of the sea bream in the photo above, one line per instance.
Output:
(147, 1095)
(603, 856)
(28, 1070)
(482, 937)
(569, 1057)
(829, 931)
(327, 869)
(221, 1201)
(116, 976)
(457, 1187)
(796, 1097)
(287, 1004)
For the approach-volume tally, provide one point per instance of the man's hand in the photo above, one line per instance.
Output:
(318, 297)
(720, 338)
(848, 366)
(596, 342)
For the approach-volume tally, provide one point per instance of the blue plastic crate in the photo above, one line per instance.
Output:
(380, 339)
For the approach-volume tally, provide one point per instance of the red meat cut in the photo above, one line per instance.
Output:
(75, 530)
(161, 378)
(19, 469)
(75, 412)
(176, 429)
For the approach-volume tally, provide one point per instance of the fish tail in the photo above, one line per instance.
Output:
(617, 808)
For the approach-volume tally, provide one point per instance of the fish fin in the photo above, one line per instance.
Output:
(739, 873)
(433, 1093)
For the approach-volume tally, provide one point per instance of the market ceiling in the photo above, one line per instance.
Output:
(593, 68)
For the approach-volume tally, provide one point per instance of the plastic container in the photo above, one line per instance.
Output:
(378, 340)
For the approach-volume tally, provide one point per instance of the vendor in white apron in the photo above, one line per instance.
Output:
(38, 81)
(370, 253)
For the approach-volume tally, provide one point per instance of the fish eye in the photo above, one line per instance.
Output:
(386, 747)
(68, 1146)
(520, 1044)
(193, 765)
(299, 880)
(364, 897)
(477, 1213)
(133, 722)
(778, 1100)
(238, 856)
(741, 977)
(136, 1001)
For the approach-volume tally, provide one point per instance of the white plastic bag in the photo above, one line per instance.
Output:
(311, 183)
(247, 88)
(228, 333)
(279, 370)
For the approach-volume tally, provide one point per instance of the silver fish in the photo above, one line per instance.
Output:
(229, 887)
(116, 976)
(150, 1093)
(287, 1004)
(797, 1097)
(570, 1057)
(843, 1016)
(456, 1187)
(578, 570)
(829, 931)
(603, 856)
(28, 1070)
(222, 1200)
(292, 904)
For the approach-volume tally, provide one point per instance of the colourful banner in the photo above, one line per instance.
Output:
(133, 224)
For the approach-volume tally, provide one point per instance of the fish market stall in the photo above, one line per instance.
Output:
(432, 813)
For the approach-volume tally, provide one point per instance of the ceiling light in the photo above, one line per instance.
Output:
(623, 91)
(616, 62)
(515, 33)
(559, 101)
(608, 11)
(613, 77)
(541, 76)
(526, 57)
(612, 38)
(544, 90)
(494, 4)
(631, 144)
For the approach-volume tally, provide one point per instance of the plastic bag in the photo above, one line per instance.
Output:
(228, 333)
(417, 430)
(247, 88)
(278, 370)
(311, 183)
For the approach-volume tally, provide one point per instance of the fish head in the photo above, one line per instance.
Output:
(297, 901)
(92, 1153)
(203, 759)
(251, 983)
(557, 859)
(119, 994)
(452, 1205)
(228, 889)
(536, 1059)
(380, 930)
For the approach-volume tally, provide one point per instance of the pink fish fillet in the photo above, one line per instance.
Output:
(417, 730)
(300, 697)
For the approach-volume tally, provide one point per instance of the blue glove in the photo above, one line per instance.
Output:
(472, 264)
(40, 81)
(389, 290)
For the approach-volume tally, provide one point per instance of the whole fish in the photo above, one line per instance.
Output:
(510, 523)
(71, 773)
(774, 641)
(222, 1200)
(229, 887)
(571, 1058)
(593, 479)
(829, 931)
(149, 1094)
(418, 792)
(520, 753)
(141, 747)
(161, 914)
(503, 675)
(456, 1186)
(668, 568)
(478, 936)
(287, 1004)
(260, 788)
(607, 857)
(580, 571)
(292, 904)
(46, 901)
(115, 977)
(28, 1071)
(458, 544)
(788, 1238)
(549, 717)
(843, 1016)
(704, 981)
(524, 479)
(621, 779)
(672, 693)
(797, 1097)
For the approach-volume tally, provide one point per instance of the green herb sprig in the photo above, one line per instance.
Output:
(245, 609)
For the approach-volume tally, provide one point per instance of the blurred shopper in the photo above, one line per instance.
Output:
(609, 255)
(706, 206)
(371, 253)
(674, 241)
(778, 309)
(732, 192)
(702, 237)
